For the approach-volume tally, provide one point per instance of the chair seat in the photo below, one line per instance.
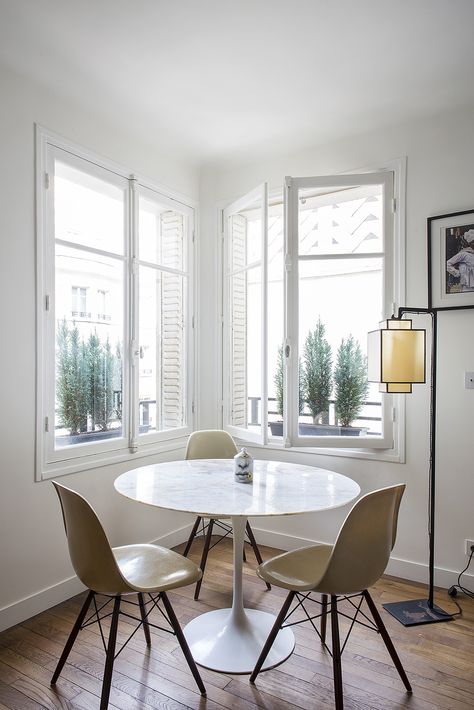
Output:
(150, 568)
(299, 570)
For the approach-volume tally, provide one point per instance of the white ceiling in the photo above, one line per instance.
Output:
(219, 80)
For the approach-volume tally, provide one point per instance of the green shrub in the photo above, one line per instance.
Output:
(87, 373)
(350, 380)
(317, 373)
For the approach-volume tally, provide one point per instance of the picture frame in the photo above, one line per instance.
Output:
(451, 260)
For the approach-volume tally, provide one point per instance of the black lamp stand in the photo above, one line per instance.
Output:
(425, 611)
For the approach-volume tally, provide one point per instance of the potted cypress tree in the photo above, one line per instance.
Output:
(317, 375)
(276, 428)
(86, 373)
(350, 385)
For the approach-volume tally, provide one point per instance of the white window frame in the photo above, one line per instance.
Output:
(167, 434)
(259, 193)
(128, 447)
(291, 434)
(392, 448)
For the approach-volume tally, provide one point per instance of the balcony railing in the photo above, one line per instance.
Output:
(81, 314)
(255, 406)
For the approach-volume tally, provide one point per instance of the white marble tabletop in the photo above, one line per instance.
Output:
(206, 487)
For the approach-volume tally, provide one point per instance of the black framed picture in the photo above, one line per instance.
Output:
(451, 260)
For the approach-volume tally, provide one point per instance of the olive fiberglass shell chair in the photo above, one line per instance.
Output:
(214, 444)
(339, 572)
(116, 573)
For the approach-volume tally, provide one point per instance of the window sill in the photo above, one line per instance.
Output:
(390, 455)
(84, 463)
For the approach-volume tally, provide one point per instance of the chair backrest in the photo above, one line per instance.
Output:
(89, 548)
(210, 444)
(363, 545)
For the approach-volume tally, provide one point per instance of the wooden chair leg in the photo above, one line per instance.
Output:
(387, 640)
(109, 660)
(192, 536)
(272, 636)
(324, 614)
(255, 549)
(183, 643)
(205, 552)
(146, 627)
(72, 637)
(336, 656)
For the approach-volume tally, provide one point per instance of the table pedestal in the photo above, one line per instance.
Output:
(230, 640)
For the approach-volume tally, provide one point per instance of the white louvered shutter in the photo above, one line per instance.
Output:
(171, 371)
(239, 322)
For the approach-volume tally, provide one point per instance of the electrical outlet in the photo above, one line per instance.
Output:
(469, 380)
(469, 544)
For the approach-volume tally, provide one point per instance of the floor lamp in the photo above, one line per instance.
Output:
(396, 360)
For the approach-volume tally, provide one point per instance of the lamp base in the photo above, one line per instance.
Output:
(416, 611)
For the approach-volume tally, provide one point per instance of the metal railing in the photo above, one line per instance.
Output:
(255, 411)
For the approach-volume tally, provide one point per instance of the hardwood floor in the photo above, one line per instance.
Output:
(438, 658)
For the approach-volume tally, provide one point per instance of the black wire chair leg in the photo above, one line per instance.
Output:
(183, 643)
(192, 536)
(205, 552)
(387, 640)
(109, 660)
(272, 636)
(255, 549)
(336, 656)
(72, 637)
(324, 614)
(146, 628)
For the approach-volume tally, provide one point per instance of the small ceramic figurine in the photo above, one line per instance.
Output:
(243, 467)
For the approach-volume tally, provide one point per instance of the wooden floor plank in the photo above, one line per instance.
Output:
(438, 658)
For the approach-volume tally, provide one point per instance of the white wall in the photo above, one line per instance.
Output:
(33, 552)
(440, 153)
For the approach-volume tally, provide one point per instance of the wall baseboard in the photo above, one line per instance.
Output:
(46, 598)
(404, 569)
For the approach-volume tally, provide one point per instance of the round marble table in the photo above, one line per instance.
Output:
(230, 640)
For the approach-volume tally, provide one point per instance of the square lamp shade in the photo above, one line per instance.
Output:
(396, 356)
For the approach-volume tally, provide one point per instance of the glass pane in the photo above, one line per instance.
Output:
(89, 298)
(245, 237)
(339, 301)
(345, 220)
(88, 211)
(162, 363)
(161, 234)
(246, 349)
(275, 319)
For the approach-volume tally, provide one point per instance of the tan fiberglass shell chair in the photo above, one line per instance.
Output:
(213, 444)
(342, 571)
(117, 572)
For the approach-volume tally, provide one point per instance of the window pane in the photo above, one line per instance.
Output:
(161, 235)
(246, 349)
(162, 363)
(88, 211)
(346, 220)
(89, 347)
(275, 319)
(339, 301)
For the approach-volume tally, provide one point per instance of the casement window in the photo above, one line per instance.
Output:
(307, 274)
(115, 313)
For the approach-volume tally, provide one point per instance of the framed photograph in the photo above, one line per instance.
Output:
(451, 260)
